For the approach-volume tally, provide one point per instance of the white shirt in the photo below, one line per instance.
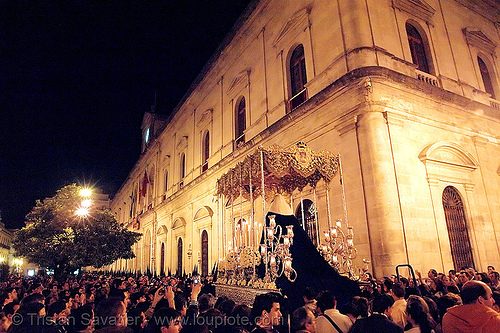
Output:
(323, 325)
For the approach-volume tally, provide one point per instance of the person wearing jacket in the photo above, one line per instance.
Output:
(476, 315)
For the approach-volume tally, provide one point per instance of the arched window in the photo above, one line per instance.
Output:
(309, 219)
(206, 151)
(417, 48)
(298, 77)
(182, 169)
(179, 256)
(485, 75)
(162, 259)
(241, 122)
(457, 229)
(204, 253)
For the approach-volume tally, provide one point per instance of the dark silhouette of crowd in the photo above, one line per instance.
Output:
(464, 301)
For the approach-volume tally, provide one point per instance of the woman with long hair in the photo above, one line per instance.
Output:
(418, 316)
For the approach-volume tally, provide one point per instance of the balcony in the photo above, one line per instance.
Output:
(494, 103)
(428, 78)
(298, 99)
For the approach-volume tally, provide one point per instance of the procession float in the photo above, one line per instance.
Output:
(282, 253)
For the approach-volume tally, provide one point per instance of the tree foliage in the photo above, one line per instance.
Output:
(56, 238)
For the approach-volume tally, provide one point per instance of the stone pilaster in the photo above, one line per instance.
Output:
(381, 197)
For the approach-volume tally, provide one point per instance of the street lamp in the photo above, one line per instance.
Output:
(85, 192)
(83, 210)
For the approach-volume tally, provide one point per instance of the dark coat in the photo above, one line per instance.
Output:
(376, 323)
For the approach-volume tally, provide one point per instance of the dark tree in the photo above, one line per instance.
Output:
(57, 238)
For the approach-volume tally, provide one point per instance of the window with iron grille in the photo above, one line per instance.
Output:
(417, 49)
(162, 259)
(204, 253)
(179, 256)
(456, 223)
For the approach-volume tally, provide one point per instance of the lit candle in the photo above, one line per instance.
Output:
(263, 249)
(272, 221)
(288, 264)
(289, 229)
(286, 241)
(334, 257)
(339, 223)
(272, 261)
(270, 233)
(334, 232)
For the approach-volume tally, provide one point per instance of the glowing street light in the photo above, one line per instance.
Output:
(86, 203)
(82, 211)
(85, 192)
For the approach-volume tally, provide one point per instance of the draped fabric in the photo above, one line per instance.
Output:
(312, 269)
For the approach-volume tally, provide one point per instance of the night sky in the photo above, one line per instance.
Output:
(76, 78)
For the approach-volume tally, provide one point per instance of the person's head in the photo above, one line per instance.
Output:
(326, 300)
(58, 311)
(266, 310)
(111, 312)
(463, 277)
(33, 298)
(302, 319)
(398, 291)
(165, 320)
(32, 309)
(206, 301)
(382, 303)
(452, 274)
(494, 277)
(477, 292)
(490, 269)
(418, 316)
(11, 308)
(180, 303)
(82, 319)
(445, 302)
(308, 295)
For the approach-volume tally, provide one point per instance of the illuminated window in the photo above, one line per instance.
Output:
(241, 122)
(485, 75)
(298, 77)
(417, 48)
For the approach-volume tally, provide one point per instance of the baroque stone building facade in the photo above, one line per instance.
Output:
(405, 90)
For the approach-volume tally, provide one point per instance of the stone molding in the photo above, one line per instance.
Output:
(448, 161)
(477, 38)
(417, 8)
(298, 21)
(205, 118)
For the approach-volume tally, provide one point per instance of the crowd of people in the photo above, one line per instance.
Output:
(467, 301)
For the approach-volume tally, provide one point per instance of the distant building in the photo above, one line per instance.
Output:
(407, 91)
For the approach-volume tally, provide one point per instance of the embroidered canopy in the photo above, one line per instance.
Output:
(283, 169)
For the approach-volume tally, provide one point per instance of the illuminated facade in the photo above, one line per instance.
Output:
(405, 90)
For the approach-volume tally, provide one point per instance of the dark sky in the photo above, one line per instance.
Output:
(76, 78)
